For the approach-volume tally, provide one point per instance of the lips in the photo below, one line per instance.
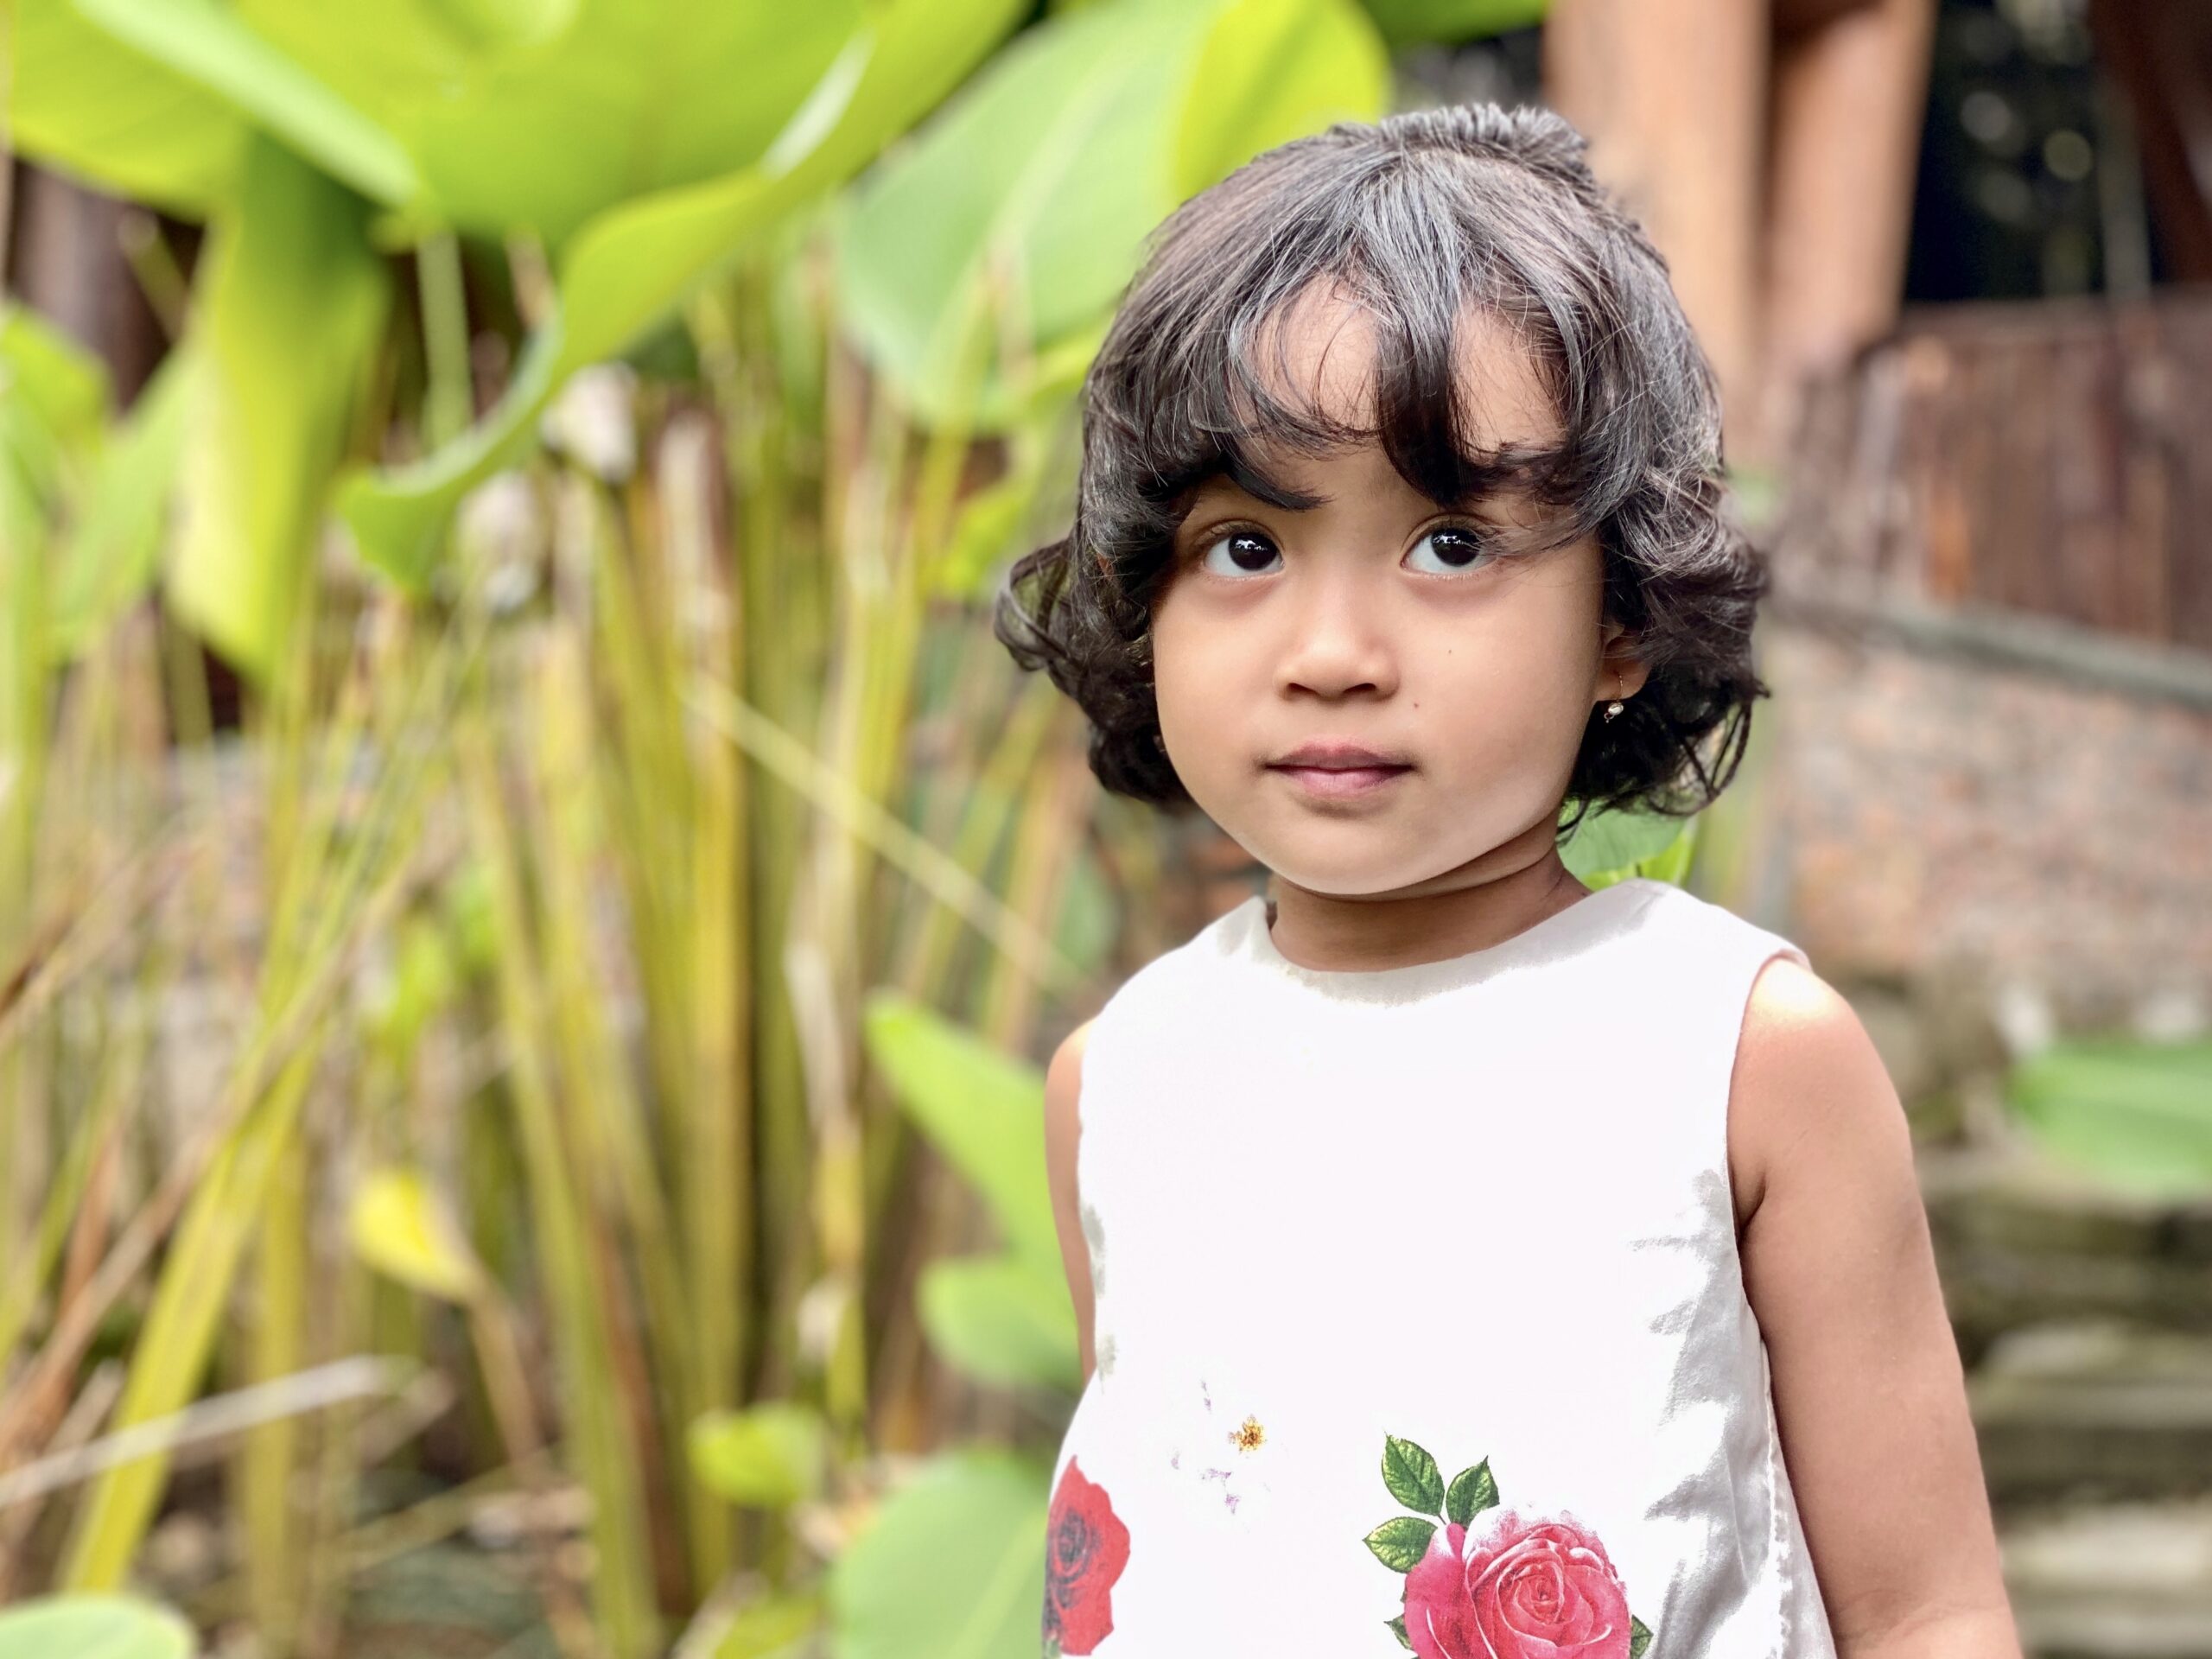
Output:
(1342, 757)
(1336, 771)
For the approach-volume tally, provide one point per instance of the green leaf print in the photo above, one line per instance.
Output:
(1639, 1636)
(1398, 1629)
(1472, 1492)
(1412, 1476)
(1400, 1542)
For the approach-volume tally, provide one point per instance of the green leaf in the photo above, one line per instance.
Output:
(540, 114)
(952, 1566)
(626, 268)
(1410, 23)
(1472, 1492)
(773, 1455)
(112, 549)
(290, 316)
(94, 1627)
(1005, 1319)
(1271, 71)
(1412, 1476)
(1400, 1542)
(778, 1626)
(53, 406)
(1609, 847)
(398, 1227)
(2137, 1113)
(42, 365)
(1016, 218)
(1639, 1636)
(213, 45)
(1398, 1629)
(984, 1111)
(80, 101)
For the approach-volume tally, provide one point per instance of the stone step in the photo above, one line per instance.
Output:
(2094, 1410)
(2114, 1581)
(2020, 1241)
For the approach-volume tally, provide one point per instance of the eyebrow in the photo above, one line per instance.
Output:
(1261, 486)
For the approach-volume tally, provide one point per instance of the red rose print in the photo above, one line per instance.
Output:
(1517, 1588)
(1086, 1547)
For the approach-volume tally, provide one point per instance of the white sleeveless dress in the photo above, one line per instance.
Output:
(1420, 1323)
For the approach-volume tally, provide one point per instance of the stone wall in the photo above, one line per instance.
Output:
(1947, 795)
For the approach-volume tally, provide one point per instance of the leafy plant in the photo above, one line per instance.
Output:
(2139, 1114)
(94, 1627)
(1609, 847)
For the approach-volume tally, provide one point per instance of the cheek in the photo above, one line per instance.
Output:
(1514, 695)
(1182, 673)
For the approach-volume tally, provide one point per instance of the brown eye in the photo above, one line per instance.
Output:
(1248, 554)
(1457, 549)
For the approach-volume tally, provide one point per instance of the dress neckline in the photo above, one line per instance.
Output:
(1562, 933)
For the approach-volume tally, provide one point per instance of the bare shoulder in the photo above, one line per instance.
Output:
(1064, 1075)
(1063, 1095)
(1062, 1127)
(1808, 1083)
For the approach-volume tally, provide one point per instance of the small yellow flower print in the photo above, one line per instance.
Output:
(1247, 1434)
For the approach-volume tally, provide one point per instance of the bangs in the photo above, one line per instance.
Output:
(1418, 248)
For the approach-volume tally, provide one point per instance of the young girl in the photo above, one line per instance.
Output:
(1464, 1260)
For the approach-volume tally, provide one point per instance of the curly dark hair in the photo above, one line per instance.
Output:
(1415, 218)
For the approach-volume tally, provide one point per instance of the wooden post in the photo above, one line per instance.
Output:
(1848, 97)
(1672, 94)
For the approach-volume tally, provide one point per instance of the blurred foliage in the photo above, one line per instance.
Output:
(2135, 1113)
(1609, 847)
(94, 1627)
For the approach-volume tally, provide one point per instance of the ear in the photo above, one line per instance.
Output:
(1621, 673)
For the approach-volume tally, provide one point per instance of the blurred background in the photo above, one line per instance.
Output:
(531, 905)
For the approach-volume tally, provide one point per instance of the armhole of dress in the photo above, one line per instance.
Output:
(1781, 1565)
(1761, 947)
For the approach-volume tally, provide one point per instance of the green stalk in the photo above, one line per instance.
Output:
(598, 1440)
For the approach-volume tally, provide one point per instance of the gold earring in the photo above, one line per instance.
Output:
(1614, 706)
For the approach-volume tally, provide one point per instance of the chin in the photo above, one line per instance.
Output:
(1344, 877)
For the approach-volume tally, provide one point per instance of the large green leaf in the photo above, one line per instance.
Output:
(1609, 847)
(213, 45)
(625, 269)
(1407, 22)
(111, 548)
(779, 1625)
(81, 101)
(94, 1627)
(1021, 209)
(1270, 71)
(289, 314)
(543, 115)
(43, 367)
(983, 1110)
(53, 398)
(1004, 1319)
(952, 1565)
(2138, 1113)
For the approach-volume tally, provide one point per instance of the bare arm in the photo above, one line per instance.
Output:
(1868, 1390)
(1063, 1127)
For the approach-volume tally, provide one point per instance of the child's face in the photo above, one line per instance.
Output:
(1375, 619)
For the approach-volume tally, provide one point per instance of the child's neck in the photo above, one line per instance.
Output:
(1453, 914)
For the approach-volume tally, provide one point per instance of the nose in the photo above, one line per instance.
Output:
(1338, 637)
